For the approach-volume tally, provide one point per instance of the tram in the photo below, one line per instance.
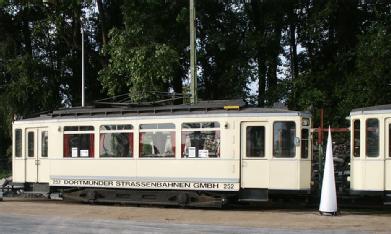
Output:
(206, 154)
(370, 165)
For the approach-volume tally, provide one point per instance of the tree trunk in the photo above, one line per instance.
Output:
(261, 80)
(102, 21)
(293, 52)
(272, 70)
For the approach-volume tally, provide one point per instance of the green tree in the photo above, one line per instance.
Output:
(146, 54)
(222, 50)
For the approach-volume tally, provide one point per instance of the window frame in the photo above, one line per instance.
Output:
(155, 128)
(118, 131)
(366, 138)
(294, 144)
(28, 149)
(306, 140)
(264, 142)
(201, 129)
(79, 132)
(389, 140)
(44, 144)
(18, 151)
(356, 149)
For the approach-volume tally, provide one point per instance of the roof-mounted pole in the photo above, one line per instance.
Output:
(193, 68)
(82, 65)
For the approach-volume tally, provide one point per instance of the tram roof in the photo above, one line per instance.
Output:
(203, 107)
(372, 110)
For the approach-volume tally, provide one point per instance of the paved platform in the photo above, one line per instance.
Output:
(18, 216)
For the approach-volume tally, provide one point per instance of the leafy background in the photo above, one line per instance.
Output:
(307, 54)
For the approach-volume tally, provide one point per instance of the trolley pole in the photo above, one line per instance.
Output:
(82, 67)
(193, 68)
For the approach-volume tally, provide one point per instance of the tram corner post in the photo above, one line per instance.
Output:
(320, 165)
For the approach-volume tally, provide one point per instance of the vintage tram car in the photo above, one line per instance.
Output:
(370, 164)
(197, 155)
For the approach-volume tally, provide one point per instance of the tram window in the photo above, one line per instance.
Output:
(255, 141)
(284, 133)
(116, 141)
(372, 137)
(201, 125)
(78, 128)
(157, 144)
(79, 145)
(356, 138)
(30, 144)
(305, 137)
(158, 126)
(389, 140)
(44, 143)
(18, 142)
(116, 127)
(200, 140)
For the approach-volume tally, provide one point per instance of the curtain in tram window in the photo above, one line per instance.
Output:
(130, 138)
(217, 140)
(173, 142)
(141, 143)
(66, 146)
(183, 142)
(101, 145)
(91, 148)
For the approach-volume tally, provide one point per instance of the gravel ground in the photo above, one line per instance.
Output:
(61, 217)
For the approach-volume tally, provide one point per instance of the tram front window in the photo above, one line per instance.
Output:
(18, 142)
(305, 138)
(372, 138)
(356, 138)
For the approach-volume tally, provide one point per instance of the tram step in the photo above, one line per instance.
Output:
(56, 196)
(387, 199)
(34, 195)
(253, 200)
(254, 195)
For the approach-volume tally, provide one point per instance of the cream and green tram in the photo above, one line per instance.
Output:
(370, 166)
(195, 155)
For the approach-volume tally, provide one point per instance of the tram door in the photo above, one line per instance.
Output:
(36, 155)
(255, 168)
(388, 154)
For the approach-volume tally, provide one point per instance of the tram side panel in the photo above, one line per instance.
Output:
(292, 170)
(219, 173)
(18, 156)
(285, 165)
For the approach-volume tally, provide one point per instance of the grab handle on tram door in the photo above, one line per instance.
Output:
(37, 162)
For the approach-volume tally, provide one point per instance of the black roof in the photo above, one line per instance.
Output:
(373, 108)
(216, 106)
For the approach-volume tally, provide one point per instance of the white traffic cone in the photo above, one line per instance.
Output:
(328, 199)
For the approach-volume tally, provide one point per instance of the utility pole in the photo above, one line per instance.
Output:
(193, 68)
(82, 66)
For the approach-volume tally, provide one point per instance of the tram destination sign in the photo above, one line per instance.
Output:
(134, 184)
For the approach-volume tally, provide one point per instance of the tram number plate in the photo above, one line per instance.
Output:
(229, 186)
(55, 181)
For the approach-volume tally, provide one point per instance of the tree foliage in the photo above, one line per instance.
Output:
(307, 54)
